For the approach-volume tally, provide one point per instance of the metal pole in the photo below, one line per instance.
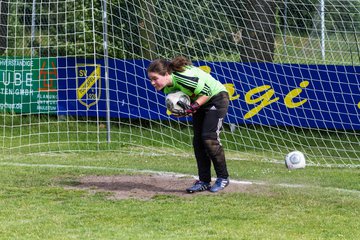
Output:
(285, 24)
(106, 66)
(322, 16)
(33, 19)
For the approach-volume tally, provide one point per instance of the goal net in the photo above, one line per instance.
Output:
(73, 75)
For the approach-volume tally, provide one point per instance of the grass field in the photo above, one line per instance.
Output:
(36, 202)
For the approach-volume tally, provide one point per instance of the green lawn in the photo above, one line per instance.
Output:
(36, 202)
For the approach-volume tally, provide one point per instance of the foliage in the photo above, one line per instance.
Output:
(201, 29)
(303, 16)
(298, 15)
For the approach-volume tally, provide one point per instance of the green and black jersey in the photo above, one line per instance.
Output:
(195, 82)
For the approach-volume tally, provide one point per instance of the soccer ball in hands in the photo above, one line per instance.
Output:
(295, 160)
(173, 98)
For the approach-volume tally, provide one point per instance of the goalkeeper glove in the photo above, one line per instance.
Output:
(187, 109)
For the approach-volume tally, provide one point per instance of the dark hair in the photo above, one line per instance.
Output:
(162, 66)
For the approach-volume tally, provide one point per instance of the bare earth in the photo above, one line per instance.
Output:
(147, 186)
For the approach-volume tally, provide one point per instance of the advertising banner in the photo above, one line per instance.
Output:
(28, 85)
(311, 96)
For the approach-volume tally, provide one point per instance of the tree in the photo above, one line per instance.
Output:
(3, 25)
(147, 29)
(258, 35)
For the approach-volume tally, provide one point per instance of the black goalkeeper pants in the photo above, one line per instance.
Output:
(207, 125)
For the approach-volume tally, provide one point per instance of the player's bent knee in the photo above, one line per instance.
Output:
(212, 146)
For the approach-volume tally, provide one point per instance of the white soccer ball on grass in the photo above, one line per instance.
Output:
(172, 100)
(295, 160)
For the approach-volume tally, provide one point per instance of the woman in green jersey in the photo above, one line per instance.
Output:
(209, 104)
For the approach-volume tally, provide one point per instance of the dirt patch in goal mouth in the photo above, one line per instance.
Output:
(148, 186)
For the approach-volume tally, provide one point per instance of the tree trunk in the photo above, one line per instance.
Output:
(258, 35)
(3, 25)
(147, 30)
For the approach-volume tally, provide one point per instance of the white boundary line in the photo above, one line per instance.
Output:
(162, 173)
(261, 159)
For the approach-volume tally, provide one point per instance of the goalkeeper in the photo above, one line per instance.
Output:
(210, 102)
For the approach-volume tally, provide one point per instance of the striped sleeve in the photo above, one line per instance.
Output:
(193, 84)
(187, 82)
(205, 90)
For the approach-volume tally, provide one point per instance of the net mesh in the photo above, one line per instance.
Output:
(73, 75)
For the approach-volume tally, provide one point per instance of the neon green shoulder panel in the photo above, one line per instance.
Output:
(195, 82)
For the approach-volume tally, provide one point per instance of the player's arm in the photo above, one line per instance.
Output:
(198, 87)
(193, 107)
(202, 100)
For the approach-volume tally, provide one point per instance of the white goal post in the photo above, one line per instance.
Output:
(73, 75)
